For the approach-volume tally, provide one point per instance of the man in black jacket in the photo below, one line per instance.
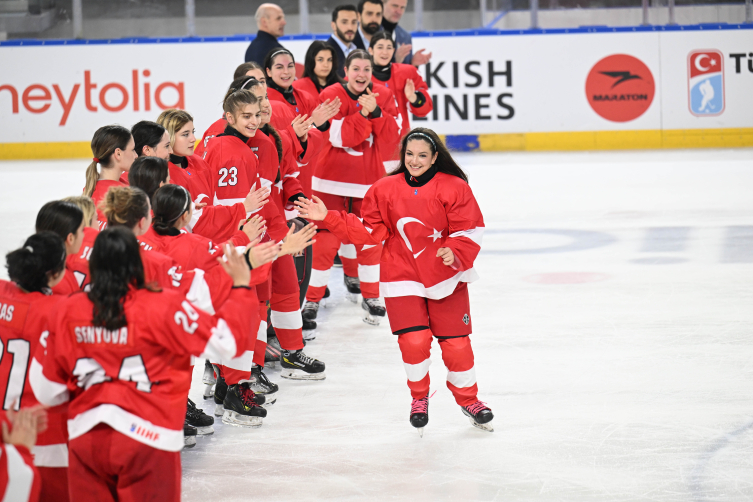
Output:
(345, 27)
(270, 19)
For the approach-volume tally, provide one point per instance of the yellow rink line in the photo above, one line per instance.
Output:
(533, 141)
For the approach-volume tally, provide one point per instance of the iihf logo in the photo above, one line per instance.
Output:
(706, 83)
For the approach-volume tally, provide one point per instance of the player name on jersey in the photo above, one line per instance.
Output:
(97, 335)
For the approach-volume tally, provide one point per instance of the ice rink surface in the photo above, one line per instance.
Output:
(613, 333)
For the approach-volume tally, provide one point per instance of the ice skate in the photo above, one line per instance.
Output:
(208, 379)
(353, 285)
(374, 310)
(298, 366)
(220, 390)
(261, 385)
(419, 414)
(337, 262)
(324, 301)
(273, 352)
(481, 416)
(189, 436)
(242, 408)
(310, 310)
(199, 420)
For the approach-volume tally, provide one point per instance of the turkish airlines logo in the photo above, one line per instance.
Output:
(620, 88)
(436, 234)
(706, 83)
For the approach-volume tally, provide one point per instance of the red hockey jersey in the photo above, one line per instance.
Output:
(351, 161)
(215, 222)
(100, 190)
(305, 84)
(23, 324)
(77, 266)
(19, 480)
(399, 74)
(415, 222)
(125, 378)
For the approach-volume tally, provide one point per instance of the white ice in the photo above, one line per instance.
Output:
(613, 333)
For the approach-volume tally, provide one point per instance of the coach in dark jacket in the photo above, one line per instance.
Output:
(345, 28)
(270, 19)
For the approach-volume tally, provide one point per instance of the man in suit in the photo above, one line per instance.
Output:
(270, 19)
(393, 12)
(344, 27)
(369, 21)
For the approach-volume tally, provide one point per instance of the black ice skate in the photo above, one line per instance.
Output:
(273, 352)
(419, 414)
(208, 379)
(309, 312)
(374, 310)
(298, 366)
(242, 408)
(195, 417)
(353, 284)
(337, 262)
(261, 385)
(481, 416)
(189, 436)
(220, 390)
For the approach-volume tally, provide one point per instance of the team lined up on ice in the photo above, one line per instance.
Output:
(177, 250)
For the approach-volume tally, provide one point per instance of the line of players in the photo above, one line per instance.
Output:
(196, 223)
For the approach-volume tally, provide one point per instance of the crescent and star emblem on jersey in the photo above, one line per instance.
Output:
(466, 319)
(437, 234)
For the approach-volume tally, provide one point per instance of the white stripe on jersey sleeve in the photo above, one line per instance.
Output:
(221, 344)
(199, 294)
(46, 391)
(474, 234)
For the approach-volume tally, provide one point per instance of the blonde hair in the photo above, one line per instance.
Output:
(125, 205)
(173, 121)
(86, 204)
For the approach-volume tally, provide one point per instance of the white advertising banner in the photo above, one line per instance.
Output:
(647, 80)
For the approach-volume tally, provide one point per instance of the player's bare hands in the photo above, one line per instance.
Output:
(402, 51)
(199, 205)
(325, 111)
(260, 254)
(410, 91)
(368, 101)
(254, 227)
(301, 125)
(256, 199)
(447, 256)
(312, 209)
(26, 424)
(235, 265)
(295, 242)
(420, 58)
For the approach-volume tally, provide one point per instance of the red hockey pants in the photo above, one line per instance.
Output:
(358, 261)
(107, 466)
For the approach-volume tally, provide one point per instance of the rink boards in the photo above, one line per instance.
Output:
(579, 89)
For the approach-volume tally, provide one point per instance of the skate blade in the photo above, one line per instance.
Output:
(309, 335)
(271, 364)
(484, 427)
(301, 375)
(209, 380)
(353, 297)
(209, 391)
(420, 431)
(219, 410)
(205, 431)
(323, 302)
(189, 441)
(238, 420)
(373, 320)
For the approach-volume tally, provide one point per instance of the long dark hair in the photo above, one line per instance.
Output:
(60, 217)
(314, 49)
(147, 173)
(115, 266)
(125, 206)
(444, 163)
(41, 257)
(106, 140)
(170, 202)
(146, 133)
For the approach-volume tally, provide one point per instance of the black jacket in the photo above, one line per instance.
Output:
(260, 47)
(339, 52)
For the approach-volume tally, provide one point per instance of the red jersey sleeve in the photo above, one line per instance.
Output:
(19, 479)
(466, 226)
(420, 85)
(347, 226)
(385, 127)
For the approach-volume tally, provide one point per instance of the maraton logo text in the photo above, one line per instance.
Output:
(137, 94)
(620, 88)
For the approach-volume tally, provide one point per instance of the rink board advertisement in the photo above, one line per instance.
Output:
(492, 92)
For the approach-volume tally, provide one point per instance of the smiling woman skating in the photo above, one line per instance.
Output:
(432, 226)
